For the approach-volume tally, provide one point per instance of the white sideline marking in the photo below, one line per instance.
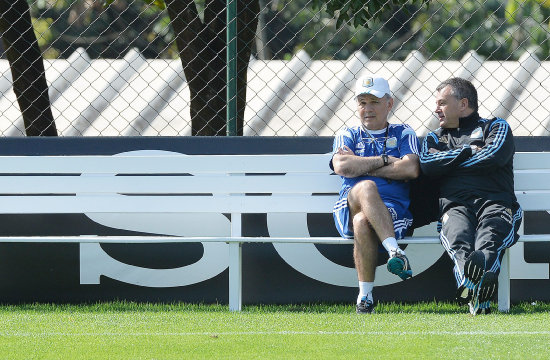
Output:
(240, 333)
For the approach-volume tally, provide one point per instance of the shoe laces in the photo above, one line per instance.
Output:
(365, 303)
(365, 300)
(398, 253)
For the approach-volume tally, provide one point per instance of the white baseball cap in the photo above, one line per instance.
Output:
(371, 84)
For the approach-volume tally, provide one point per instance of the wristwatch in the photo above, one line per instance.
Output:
(385, 159)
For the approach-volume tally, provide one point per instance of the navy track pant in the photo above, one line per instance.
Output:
(479, 224)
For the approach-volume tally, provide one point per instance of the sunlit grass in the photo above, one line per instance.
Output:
(126, 330)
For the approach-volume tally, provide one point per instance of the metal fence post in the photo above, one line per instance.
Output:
(231, 68)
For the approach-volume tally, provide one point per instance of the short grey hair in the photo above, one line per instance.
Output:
(461, 89)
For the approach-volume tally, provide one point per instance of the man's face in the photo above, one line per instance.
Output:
(448, 108)
(373, 111)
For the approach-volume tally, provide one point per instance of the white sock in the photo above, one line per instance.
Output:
(365, 289)
(390, 244)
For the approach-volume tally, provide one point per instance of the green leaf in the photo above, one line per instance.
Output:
(342, 19)
(544, 3)
(158, 3)
(511, 11)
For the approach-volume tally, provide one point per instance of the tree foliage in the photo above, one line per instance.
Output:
(444, 30)
(495, 30)
(357, 12)
(62, 26)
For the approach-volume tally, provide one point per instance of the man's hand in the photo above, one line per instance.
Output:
(347, 164)
(344, 150)
(406, 168)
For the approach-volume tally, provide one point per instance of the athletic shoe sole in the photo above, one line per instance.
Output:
(487, 286)
(473, 271)
(484, 292)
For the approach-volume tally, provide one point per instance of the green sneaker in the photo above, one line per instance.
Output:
(398, 264)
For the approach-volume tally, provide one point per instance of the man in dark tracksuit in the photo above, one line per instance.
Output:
(479, 214)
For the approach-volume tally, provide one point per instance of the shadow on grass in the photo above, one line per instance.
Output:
(381, 308)
(115, 307)
(530, 308)
(433, 307)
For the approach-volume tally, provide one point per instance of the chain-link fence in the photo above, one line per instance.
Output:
(158, 68)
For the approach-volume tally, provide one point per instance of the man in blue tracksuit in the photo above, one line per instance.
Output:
(375, 161)
(472, 158)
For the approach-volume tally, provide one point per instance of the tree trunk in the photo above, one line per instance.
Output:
(248, 12)
(27, 68)
(202, 49)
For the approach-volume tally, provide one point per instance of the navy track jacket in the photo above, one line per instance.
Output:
(463, 174)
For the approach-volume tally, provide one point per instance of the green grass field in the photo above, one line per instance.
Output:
(182, 331)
